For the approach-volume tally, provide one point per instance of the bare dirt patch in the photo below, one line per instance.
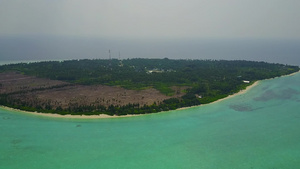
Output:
(34, 92)
(11, 82)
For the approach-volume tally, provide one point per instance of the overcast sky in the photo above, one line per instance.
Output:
(152, 18)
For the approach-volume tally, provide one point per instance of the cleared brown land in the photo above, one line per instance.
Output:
(11, 82)
(35, 91)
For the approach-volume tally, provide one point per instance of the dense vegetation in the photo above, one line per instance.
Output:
(208, 80)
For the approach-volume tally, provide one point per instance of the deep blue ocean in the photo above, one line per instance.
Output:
(259, 129)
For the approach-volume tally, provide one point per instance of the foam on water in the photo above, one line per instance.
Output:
(258, 129)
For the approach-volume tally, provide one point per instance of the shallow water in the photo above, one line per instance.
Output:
(255, 130)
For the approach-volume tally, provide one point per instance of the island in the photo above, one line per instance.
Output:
(127, 87)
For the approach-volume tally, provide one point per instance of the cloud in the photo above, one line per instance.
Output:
(152, 19)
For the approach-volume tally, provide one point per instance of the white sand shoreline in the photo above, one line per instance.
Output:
(228, 97)
(102, 116)
(292, 74)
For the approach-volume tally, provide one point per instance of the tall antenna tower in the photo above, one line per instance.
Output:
(109, 55)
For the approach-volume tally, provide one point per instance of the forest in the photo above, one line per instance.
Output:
(205, 80)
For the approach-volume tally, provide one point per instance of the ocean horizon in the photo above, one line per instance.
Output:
(26, 48)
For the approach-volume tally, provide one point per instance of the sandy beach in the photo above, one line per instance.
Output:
(293, 73)
(66, 116)
(239, 93)
(230, 96)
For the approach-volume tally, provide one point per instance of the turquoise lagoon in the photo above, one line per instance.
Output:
(259, 129)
